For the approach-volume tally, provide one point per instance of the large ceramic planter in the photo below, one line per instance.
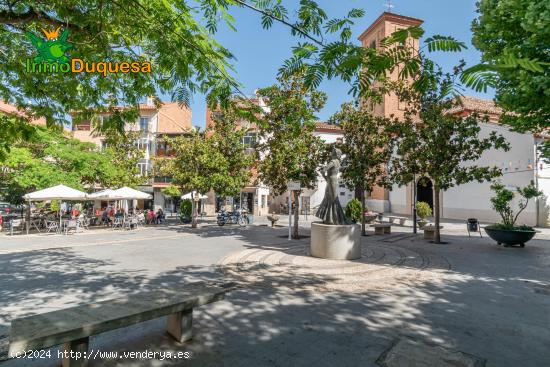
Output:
(510, 237)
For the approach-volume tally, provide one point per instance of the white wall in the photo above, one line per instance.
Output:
(473, 199)
(158, 199)
(517, 165)
(543, 178)
(398, 200)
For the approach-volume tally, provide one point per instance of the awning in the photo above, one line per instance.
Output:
(129, 194)
(107, 194)
(59, 192)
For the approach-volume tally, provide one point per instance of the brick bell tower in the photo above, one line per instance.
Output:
(384, 26)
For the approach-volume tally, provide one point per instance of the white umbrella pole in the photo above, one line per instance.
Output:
(27, 224)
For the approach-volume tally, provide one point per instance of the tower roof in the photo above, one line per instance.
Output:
(394, 18)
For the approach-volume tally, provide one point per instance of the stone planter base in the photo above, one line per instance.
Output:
(335, 242)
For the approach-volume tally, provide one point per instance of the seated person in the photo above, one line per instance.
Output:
(105, 217)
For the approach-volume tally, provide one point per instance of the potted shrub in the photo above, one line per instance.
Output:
(185, 211)
(507, 232)
(353, 210)
(423, 211)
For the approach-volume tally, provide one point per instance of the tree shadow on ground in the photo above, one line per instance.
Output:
(485, 305)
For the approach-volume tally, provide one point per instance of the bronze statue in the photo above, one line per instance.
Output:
(330, 210)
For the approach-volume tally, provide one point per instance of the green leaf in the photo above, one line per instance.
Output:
(444, 43)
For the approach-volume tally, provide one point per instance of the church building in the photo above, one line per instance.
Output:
(520, 165)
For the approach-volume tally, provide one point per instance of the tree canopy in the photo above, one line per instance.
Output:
(52, 158)
(432, 141)
(367, 149)
(288, 150)
(214, 159)
(170, 34)
(517, 27)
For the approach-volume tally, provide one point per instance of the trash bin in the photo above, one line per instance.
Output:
(473, 225)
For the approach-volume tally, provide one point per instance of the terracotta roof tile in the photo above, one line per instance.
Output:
(10, 109)
(480, 105)
(323, 126)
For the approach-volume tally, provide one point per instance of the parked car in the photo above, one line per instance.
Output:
(5, 208)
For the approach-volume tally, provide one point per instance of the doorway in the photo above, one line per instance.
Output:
(425, 192)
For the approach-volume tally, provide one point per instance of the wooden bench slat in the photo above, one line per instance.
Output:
(57, 327)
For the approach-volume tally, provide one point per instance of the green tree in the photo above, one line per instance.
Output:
(366, 146)
(518, 31)
(432, 141)
(210, 160)
(226, 137)
(125, 154)
(288, 150)
(192, 165)
(171, 34)
(13, 129)
(52, 158)
(172, 191)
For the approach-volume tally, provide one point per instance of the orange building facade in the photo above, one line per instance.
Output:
(384, 26)
(154, 123)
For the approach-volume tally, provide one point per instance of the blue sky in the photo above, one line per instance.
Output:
(259, 53)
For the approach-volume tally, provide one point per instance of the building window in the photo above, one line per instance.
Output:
(144, 167)
(144, 124)
(373, 44)
(143, 144)
(249, 140)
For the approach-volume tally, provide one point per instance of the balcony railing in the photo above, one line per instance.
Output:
(162, 179)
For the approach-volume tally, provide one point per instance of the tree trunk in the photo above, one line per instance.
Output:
(295, 233)
(28, 217)
(193, 211)
(437, 235)
(363, 229)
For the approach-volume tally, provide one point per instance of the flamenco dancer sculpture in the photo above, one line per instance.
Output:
(336, 238)
(330, 210)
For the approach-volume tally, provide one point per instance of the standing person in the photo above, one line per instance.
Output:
(160, 216)
(105, 217)
(150, 216)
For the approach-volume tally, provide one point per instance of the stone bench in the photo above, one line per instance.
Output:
(382, 228)
(73, 326)
(429, 232)
(400, 219)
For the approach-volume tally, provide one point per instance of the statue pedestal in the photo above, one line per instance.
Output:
(336, 241)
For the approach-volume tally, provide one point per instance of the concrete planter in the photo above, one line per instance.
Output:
(422, 223)
(510, 237)
(335, 242)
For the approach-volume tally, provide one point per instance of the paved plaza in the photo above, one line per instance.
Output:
(468, 302)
